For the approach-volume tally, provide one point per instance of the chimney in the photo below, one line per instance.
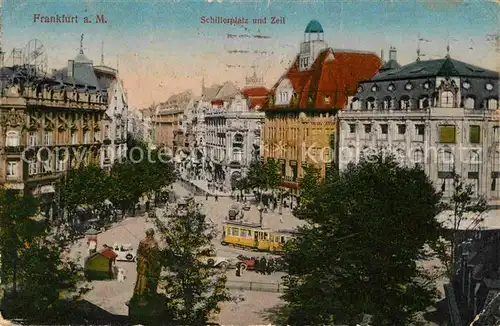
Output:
(392, 54)
(71, 64)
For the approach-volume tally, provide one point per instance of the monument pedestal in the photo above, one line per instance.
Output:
(148, 311)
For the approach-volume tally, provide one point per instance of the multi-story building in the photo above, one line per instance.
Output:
(115, 120)
(439, 114)
(48, 127)
(135, 124)
(232, 135)
(168, 118)
(301, 111)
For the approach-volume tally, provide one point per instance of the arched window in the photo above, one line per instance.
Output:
(12, 138)
(492, 104)
(404, 103)
(474, 161)
(238, 138)
(370, 103)
(447, 98)
(237, 155)
(355, 104)
(401, 157)
(388, 104)
(469, 103)
(423, 102)
(446, 161)
(418, 158)
(446, 166)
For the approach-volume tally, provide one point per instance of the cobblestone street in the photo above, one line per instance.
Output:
(113, 295)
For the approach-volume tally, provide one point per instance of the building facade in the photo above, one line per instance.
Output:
(300, 115)
(48, 126)
(232, 136)
(167, 120)
(115, 125)
(440, 114)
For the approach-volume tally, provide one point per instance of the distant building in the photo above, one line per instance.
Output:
(232, 138)
(437, 114)
(115, 121)
(301, 111)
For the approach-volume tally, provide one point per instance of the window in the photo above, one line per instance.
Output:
(496, 134)
(475, 134)
(74, 138)
(12, 138)
(388, 103)
(32, 138)
(418, 158)
(86, 137)
(447, 99)
(473, 162)
(12, 169)
(370, 103)
(327, 99)
(107, 132)
(238, 138)
(368, 128)
(419, 130)
(404, 103)
(495, 175)
(284, 97)
(447, 134)
(446, 166)
(32, 167)
(401, 129)
(355, 104)
(384, 129)
(492, 104)
(47, 138)
(423, 102)
(469, 103)
(352, 128)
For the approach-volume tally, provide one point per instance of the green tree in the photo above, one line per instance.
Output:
(466, 212)
(35, 268)
(127, 184)
(192, 289)
(272, 175)
(256, 177)
(308, 187)
(86, 186)
(375, 219)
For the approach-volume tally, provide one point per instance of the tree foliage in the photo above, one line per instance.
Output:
(466, 212)
(34, 265)
(264, 176)
(192, 289)
(374, 219)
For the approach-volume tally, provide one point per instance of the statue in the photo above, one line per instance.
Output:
(148, 267)
(145, 305)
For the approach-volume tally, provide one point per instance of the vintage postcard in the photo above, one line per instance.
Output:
(244, 162)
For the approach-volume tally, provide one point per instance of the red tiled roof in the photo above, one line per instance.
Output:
(255, 91)
(336, 79)
(261, 102)
(108, 253)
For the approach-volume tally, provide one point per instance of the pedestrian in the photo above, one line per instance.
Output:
(216, 198)
(121, 275)
(257, 265)
(263, 265)
(238, 269)
(206, 196)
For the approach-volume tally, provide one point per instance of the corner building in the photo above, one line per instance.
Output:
(441, 115)
(300, 115)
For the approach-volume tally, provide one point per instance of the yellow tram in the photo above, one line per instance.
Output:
(254, 237)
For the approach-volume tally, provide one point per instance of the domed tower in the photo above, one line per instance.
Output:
(313, 44)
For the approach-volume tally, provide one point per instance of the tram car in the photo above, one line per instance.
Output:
(253, 236)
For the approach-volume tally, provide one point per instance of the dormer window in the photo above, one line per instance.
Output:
(466, 84)
(327, 99)
(427, 85)
(489, 86)
(374, 88)
(409, 86)
(388, 103)
(284, 97)
(391, 87)
(447, 99)
(469, 103)
(360, 89)
(370, 104)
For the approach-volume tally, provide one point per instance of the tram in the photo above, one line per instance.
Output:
(253, 236)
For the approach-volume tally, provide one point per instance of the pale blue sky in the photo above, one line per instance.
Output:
(163, 47)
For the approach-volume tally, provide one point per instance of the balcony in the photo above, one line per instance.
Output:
(14, 149)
